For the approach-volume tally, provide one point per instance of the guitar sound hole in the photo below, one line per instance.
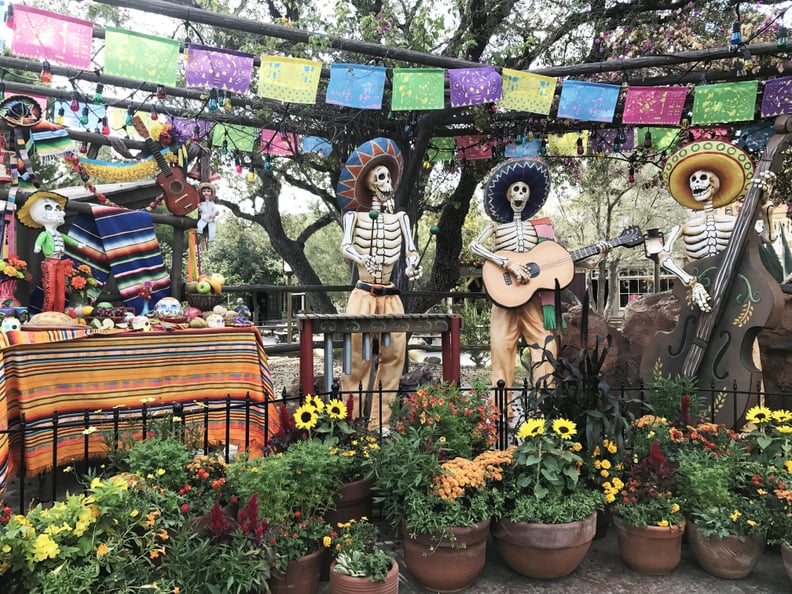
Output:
(533, 269)
(176, 186)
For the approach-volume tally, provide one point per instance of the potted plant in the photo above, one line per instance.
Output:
(359, 564)
(549, 513)
(647, 513)
(298, 544)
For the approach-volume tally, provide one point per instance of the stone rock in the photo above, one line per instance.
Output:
(645, 317)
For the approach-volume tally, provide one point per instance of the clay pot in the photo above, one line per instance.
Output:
(449, 562)
(301, 576)
(786, 556)
(728, 558)
(544, 551)
(353, 501)
(347, 584)
(651, 550)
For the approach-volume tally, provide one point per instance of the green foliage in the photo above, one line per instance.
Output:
(162, 461)
(556, 509)
(296, 537)
(356, 552)
(703, 480)
(475, 333)
(666, 394)
(243, 255)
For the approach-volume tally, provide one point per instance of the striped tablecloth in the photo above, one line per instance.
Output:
(72, 371)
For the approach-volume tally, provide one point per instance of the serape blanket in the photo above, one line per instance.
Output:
(102, 374)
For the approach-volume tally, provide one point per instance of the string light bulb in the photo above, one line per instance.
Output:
(98, 97)
(580, 149)
(61, 116)
(736, 38)
(212, 103)
(84, 116)
(227, 103)
(267, 163)
(130, 115)
(543, 147)
(781, 40)
(224, 146)
(75, 102)
(160, 92)
(631, 175)
(105, 126)
(46, 73)
(251, 175)
(196, 133)
(83, 147)
(648, 140)
(154, 114)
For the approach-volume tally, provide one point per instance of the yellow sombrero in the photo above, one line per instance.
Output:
(23, 214)
(731, 164)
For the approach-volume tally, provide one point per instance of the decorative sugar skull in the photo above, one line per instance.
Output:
(215, 321)
(47, 212)
(141, 323)
(704, 185)
(168, 307)
(379, 182)
(10, 323)
(517, 195)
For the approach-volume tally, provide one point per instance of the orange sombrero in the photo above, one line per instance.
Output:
(731, 164)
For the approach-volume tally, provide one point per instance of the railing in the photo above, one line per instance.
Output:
(520, 402)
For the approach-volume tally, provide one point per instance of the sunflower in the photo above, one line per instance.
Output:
(759, 415)
(782, 416)
(315, 402)
(306, 417)
(531, 428)
(564, 428)
(336, 409)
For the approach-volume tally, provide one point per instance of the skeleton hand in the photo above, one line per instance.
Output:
(766, 182)
(413, 270)
(519, 272)
(371, 264)
(700, 296)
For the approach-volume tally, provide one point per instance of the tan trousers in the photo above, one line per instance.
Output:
(506, 327)
(391, 358)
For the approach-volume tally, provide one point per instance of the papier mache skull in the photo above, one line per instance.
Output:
(46, 211)
(379, 182)
(168, 307)
(518, 194)
(704, 185)
(141, 323)
(10, 323)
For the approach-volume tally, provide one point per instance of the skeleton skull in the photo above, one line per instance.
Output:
(215, 320)
(168, 307)
(47, 212)
(517, 195)
(704, 185)
(141, 323)
(11, 323)
(379, 182)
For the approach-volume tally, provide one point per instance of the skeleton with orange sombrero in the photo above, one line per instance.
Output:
(373, 240)
(706, 176)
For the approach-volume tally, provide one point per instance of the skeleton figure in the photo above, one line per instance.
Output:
(708, 233)
(374, 241)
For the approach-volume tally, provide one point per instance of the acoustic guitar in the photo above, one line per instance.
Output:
(180, 197)
(546, 263)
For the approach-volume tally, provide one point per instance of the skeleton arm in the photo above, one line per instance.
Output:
(477, 247)
(766, 182)
(412, 257)
(699, 294)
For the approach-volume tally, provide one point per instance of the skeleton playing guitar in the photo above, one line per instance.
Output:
(546, 263)
(180, 197)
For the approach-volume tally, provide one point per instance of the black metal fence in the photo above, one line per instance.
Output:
(514, 405)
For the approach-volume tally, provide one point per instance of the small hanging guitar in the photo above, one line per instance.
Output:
(180, 197)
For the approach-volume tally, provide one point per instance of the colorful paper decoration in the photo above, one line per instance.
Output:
(240, 138)
(473, 147)
(441, 148)
(587, 101)
(663, 139)
(49, 36)
(654, 105)
(474, 86)
(213, 68)
(754, 137)
(418, 89)
(605, 141)
(185, 127)
(356, 85)
(523, 91)
(527, 148)
(141, 57)
(316, 144)
(724, 102)
(777, 98)
(565, 145)
(291, 80)
(275, 143)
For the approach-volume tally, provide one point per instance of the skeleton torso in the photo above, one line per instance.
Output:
(517, 236)
(707, 234)
(380, 238)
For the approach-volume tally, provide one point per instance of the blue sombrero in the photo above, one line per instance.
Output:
(351, 190)
(531, 170)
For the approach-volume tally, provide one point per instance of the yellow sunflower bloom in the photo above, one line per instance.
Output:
(315, 402)
(782, 416)
(564, 428)
(306, 417)
(531, 428)
(759, 415)
(336, 409)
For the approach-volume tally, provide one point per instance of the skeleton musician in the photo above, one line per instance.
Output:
(523, 261)
(373, 241)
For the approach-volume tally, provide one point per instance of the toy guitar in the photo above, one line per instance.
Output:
(547, 262)
(180, 196)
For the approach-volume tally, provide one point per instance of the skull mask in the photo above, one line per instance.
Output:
(379, 182)
(517, 195)
(704, 185)
(168, 307)
(47, 212)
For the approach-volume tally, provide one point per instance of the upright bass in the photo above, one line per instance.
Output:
(716, 347)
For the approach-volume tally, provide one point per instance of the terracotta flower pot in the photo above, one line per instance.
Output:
(544, 551)
(728, 558)
(347, 584)
(652, 550)
(786, 556)
(353, 501)
(301, 576)
(448, 563)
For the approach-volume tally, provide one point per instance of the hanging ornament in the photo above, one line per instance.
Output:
(46, 73)
(98, 97)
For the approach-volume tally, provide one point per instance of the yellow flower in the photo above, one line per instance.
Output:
(531, 428)
(101, 550)
(788, 466)
(45, 548)
(606, 464)
(134, 513)
(306, 417)
(674, 508)
(612, 448)
(67, 469)
(336, 409)
(577, 446)
(663, 523)
(564, 428)
(751, 522)
(782, 416)
(315, 401)
(160, 471)
(89, 431)
(784, 428)
(326, 542)
(759, 415)
(735, 515)
(604, 473)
